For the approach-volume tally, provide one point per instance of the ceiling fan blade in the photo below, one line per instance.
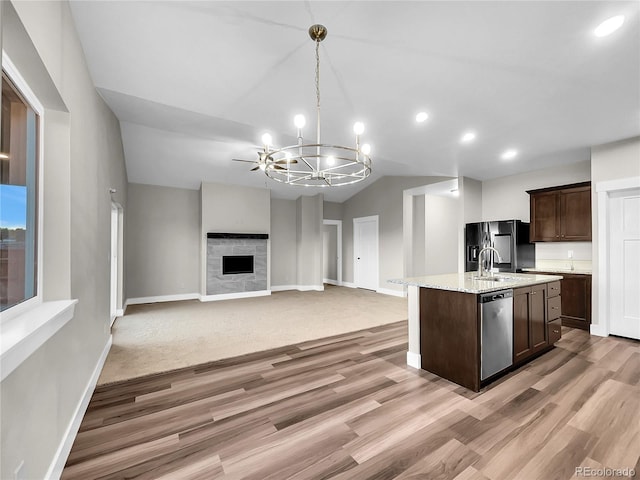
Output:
(278, 167)
(284, 161)
(255, 168)
(240, 160)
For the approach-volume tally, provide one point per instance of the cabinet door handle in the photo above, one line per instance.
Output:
(556, 331)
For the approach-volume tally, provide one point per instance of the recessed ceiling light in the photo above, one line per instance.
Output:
(421, 117)
(509, 154)
(609, 26)
(468, 137)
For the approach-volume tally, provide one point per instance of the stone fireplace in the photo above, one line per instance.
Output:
(236, 262)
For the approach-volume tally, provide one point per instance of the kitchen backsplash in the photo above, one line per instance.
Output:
(557, 255)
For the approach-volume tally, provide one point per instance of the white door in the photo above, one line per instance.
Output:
(365, 252)
(624, 263)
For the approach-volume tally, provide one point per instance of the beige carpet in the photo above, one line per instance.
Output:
(157, 337)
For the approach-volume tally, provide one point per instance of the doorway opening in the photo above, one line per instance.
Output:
(116, 262)
(332, 252)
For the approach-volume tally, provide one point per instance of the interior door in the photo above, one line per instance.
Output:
(365, 250)
(624, 254)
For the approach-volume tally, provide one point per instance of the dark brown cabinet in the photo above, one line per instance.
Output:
(451, 332)
(561, 214)
(575, 300)
(530, 332)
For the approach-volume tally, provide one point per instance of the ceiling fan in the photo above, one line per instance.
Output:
(261, 163)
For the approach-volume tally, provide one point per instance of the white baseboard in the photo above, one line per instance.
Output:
(60, 458)
(119, 312)
(162, 298)
(598, 330)
(300, 288)
(349, 284)
(308, 288)
(233, 296)
(395, 293)
(283, 288)
(331, 282)
(414, 360)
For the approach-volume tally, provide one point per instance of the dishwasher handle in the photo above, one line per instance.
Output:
(493, 296)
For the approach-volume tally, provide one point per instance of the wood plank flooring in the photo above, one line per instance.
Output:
(348, 407)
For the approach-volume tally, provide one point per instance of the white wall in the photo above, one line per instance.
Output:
(309, 241)
(83, 158)
(231, 209)
(384, 198)
(417, 266)
(163, 241)
(506, 198)
(441, 239)
(283, 243)
(471, 196)
(330, 252)
(332, 210)
(611, 161)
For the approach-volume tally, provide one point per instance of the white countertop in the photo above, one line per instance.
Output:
(575, 271)
(467, 283)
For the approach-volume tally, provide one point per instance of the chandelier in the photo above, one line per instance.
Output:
(316, 164)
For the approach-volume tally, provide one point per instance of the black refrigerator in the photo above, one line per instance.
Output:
(509, 237)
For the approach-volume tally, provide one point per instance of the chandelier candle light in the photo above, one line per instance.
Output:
(316, 164)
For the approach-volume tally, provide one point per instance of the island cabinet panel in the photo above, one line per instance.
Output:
(561, 214)
(521, 332)
(530, 332)
(449, 336)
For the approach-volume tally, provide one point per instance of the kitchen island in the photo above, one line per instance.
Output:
(470, 329)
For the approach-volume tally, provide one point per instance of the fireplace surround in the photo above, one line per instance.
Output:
(238, 248)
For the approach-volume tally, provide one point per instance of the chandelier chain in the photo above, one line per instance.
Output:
(317, 74)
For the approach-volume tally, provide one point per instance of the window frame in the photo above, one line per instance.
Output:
(18, 81)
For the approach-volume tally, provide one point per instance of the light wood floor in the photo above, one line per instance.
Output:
(349, 408)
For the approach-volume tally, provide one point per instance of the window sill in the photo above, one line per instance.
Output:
(26, 333)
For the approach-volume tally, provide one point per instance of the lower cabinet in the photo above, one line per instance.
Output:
(554, 331)
(576, 301)
(530, 332)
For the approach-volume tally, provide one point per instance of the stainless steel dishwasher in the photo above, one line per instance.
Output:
(496, 327)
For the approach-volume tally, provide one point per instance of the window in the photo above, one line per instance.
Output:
(18, 197)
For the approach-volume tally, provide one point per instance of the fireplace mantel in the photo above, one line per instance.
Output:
(251, 236)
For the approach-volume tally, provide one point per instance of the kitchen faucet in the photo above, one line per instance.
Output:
(480, 269)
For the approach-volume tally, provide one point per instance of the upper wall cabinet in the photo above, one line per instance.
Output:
(561, 214)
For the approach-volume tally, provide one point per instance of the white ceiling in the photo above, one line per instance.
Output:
(195, 84)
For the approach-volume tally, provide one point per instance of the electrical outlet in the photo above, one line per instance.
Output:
(18, 473)
(570, 254)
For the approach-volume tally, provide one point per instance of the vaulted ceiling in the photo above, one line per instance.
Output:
(195, 84)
